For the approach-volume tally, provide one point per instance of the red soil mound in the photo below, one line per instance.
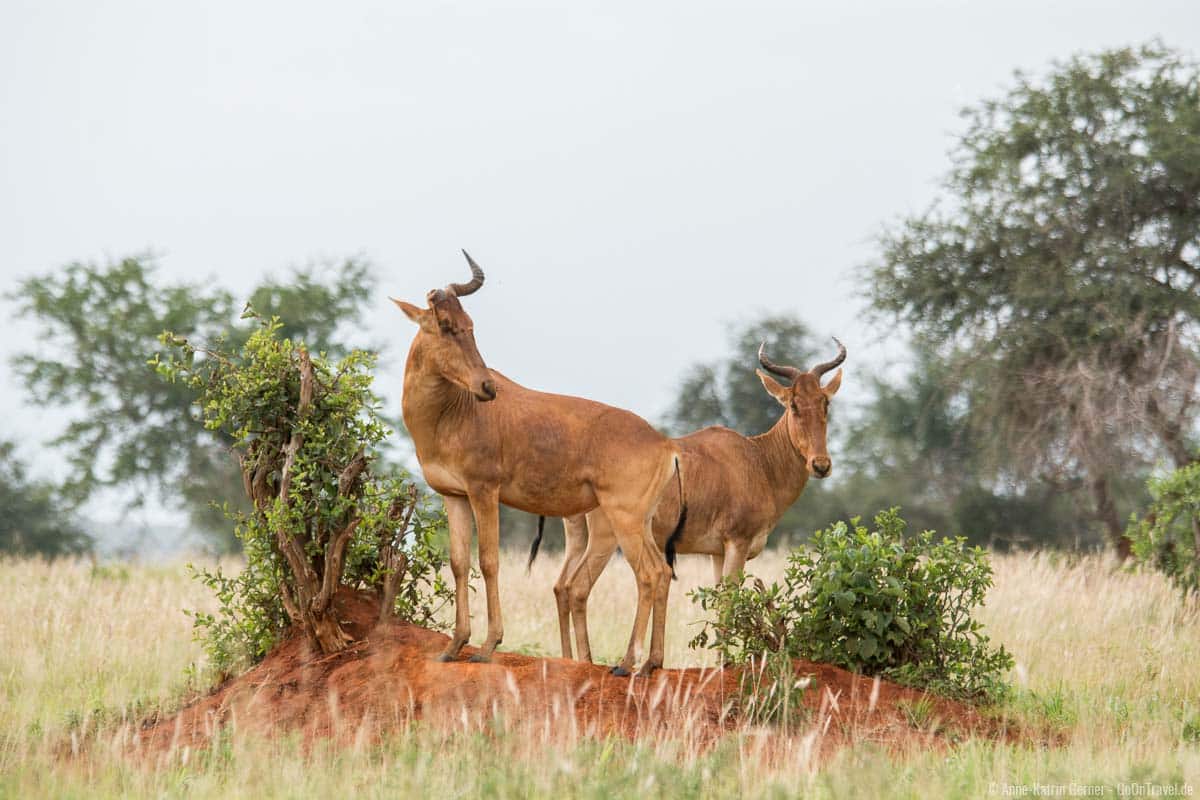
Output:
(390, 676)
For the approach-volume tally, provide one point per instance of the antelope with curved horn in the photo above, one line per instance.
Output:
(738, 488)
(482, 440)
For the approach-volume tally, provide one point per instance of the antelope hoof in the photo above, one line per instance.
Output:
(451, 652)
(480, 658)
(648, 669)
(620, 672)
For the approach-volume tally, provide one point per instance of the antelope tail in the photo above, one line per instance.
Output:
(675, 534)
(537, 542)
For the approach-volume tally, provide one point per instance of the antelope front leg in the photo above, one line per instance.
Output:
(458, 513)
(487, 520)
(734, 561)
(735, 558)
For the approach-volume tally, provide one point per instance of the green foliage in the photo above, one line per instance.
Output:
(1072, 212)
(914, 443)
(1060, 275)
(130, 429)
(31, 519)
(1168, 534)
(307, 460)
(873, 601)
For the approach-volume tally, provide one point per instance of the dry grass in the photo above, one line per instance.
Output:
(1109, 658)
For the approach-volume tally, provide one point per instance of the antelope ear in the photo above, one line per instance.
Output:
(773, 387)
(421, 316)
(830, 389)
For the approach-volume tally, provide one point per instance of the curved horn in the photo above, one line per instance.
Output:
(825, 366)
(464, 289)
(784, 372)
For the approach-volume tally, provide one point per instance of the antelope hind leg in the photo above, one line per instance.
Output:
(576, 537)
(630, 535)
(600, 546)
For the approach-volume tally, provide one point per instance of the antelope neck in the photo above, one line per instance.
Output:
(787, 471)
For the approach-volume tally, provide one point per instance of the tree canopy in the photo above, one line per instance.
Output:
(99, 326)
(1059, 274)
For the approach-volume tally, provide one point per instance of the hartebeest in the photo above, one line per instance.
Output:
(738, 488)
(482, 440)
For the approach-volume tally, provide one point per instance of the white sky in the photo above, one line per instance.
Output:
(632, 175)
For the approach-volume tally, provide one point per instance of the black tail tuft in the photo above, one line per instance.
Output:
(537, 542)
(675, 534)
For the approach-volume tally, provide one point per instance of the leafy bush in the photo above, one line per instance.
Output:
(1168, 536)
(873, 601)
(325, 515)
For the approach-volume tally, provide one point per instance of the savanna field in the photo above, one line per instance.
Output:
(1107, 682)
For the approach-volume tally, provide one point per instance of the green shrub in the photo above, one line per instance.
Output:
(873, 601)
(326, 514)
(1168, 536)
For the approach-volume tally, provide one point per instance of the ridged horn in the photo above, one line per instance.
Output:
(784, 372)
(825, 366)
(464, 289)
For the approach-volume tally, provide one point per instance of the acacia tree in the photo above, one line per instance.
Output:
(99, 324)
(305, 430)
(1060, 276)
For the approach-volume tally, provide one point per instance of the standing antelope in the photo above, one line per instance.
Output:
(483, 440)
(738, 488)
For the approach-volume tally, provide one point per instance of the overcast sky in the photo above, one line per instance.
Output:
(633, 176)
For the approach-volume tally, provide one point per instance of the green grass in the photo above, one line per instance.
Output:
(1107, 660)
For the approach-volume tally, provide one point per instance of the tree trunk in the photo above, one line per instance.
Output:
(328, 633)
(304, 602)
(394, 561)
(1170, 429)
(1196, 542)
(309, 600)
(1106, 512)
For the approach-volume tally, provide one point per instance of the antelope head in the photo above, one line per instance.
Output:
(446, 341)
(806, 404)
